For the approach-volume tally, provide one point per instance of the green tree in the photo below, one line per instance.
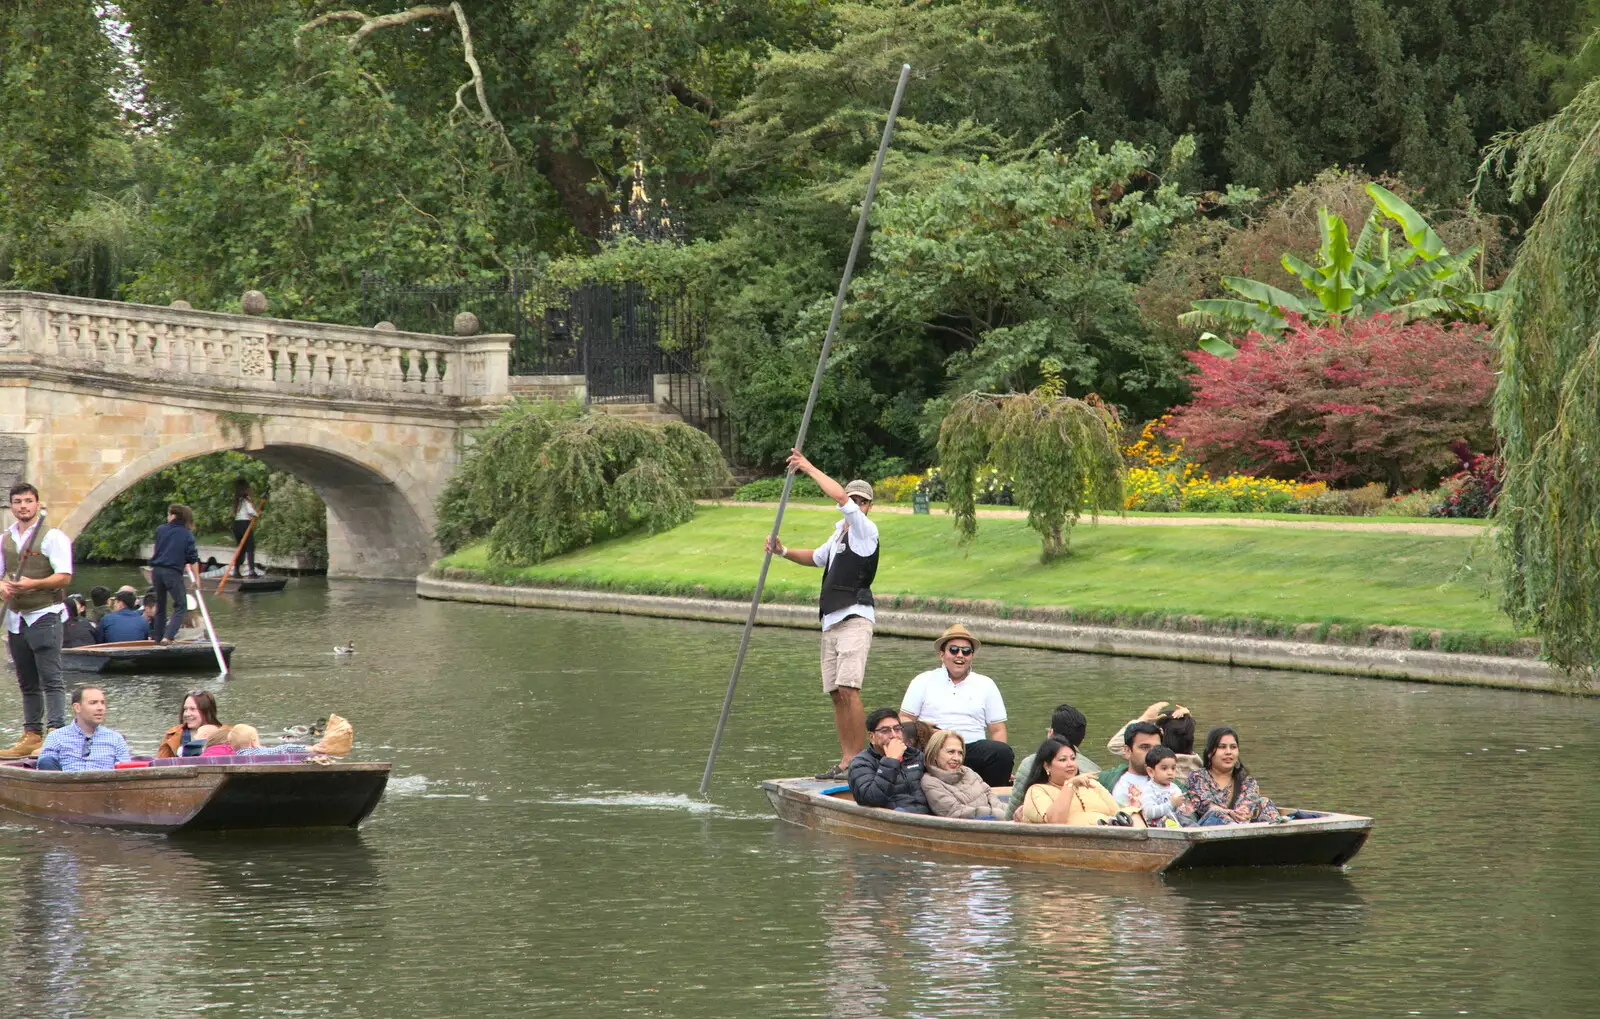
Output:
(545, 480)
(1275, 90)
(54, 105)
(1061, 454)
(1546, 407)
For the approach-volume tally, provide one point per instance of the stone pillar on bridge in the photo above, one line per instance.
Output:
(96, 395)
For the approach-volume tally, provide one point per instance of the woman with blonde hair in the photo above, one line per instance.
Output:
(1057, 794)
(953, 789)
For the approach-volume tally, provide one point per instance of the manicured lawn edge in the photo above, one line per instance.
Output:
(1326, 633)
(1384, 662)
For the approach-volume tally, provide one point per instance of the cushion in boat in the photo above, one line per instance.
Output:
(289, 758)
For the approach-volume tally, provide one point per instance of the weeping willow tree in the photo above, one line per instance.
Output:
(1060, 453)
(546, 479)
(1547, 404)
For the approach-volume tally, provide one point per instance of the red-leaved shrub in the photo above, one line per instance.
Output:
(1368, 400)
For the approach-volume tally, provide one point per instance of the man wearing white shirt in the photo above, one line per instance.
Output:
(37, 569)
(954, 697)
(849, 561)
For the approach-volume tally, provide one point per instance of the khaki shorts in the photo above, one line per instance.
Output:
(844, 653)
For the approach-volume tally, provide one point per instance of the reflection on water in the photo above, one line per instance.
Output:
(541, 850)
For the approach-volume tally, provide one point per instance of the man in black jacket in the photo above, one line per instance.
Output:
(175, 552)
(888, 773)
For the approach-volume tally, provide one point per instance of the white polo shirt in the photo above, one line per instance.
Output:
(56, 547)
(968, 707)
(862, 534)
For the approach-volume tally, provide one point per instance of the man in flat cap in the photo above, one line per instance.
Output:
(849, 561)
(954, 697)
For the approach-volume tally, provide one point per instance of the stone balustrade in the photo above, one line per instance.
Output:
(213, 350)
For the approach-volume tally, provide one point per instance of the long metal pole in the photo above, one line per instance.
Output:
(805, 420)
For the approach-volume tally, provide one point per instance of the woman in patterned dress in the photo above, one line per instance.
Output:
(1222, 791)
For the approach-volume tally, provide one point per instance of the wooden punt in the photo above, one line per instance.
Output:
(199, 797)
(235, 583)
(1326, 841)
(144, 656)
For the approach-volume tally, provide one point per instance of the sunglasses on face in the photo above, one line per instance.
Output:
(958, 650)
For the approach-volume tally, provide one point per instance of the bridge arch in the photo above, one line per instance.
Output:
(380, 517)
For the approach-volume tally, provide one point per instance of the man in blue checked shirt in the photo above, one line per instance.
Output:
(86, 744)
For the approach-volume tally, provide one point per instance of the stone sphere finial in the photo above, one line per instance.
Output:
(385, 327)
(182, 305)
(466, 324)
(254, 302)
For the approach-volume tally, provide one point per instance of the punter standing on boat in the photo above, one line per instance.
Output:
(175, 552)
(849, 561)
(38, 568)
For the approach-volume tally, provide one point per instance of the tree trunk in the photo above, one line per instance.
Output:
(572, 175)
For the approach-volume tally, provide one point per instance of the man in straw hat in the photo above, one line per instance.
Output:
(849, 560)
(954, 697)
(38, 568)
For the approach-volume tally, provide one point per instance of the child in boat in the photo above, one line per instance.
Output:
(1161, 801)
(217, 744)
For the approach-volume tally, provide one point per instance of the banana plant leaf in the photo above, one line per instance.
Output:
(1224, 313)
(1416, 229)
(1216, 346)
(1264, 293)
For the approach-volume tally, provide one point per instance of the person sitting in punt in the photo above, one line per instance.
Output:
(888, 773)
(952, 789)
(99, 602)
(1223, 792)
(1057, 794)
(1177, 735)
(77, 630)
(184, 740)
(1140, 737)
(216, 742)
(954, 697)
(1162, 802)
(85, 743)
(336, 741)
(125, 624)
(1067, 725)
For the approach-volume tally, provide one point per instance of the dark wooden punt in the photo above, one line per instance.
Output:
(1327, 841)
(199, 797)
(235, 583)
(144, 656)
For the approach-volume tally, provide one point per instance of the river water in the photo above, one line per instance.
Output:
(541, 850)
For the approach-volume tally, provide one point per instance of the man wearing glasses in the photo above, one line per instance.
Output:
(849, 560)
(87, 744)
(888, 773)
(954, 697)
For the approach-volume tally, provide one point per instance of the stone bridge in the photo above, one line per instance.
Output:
(95, 395)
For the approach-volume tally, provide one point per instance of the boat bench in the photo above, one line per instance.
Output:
(284, 758)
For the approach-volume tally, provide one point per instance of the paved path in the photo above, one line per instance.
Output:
(1439, 530)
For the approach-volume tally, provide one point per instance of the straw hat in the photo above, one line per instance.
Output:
(955, 630)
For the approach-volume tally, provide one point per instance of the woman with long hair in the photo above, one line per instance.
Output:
(1222, 791)
(244, 511)
(1057, 794)
(199, 708)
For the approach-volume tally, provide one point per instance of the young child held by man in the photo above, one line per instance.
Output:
(1161, 799)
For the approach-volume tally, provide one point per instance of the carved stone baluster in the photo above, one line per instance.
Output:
(395, 370)
(430, 377)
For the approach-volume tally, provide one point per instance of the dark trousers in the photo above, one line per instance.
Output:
(168, 581)
(992, 760)
(36, 652)
(249, 554)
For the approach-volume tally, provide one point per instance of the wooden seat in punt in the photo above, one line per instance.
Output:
(144, 656)
(1326, 841)
(199, 797)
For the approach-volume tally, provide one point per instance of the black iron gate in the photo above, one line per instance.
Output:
(618, 330)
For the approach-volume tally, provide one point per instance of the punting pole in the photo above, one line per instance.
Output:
(805, 420)
(251, 526)
(211, 631)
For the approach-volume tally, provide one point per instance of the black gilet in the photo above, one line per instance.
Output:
(848, 578)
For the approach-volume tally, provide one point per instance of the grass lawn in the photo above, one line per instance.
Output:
(1220, 572)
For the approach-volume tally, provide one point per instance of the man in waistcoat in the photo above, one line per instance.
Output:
(37, 570)
(849, 561)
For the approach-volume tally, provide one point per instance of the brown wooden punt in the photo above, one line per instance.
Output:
(1326, 841)
(144, 656)
(199, 797)
(235, 584)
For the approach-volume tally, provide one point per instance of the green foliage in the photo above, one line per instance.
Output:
(294, 521)
(771, 489)
(1275, 90)
(1546, 405)
(544, 479)
(54, 78)
(1060, 452)
(1372, 277)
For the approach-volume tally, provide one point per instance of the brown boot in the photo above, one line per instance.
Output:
(27, 746)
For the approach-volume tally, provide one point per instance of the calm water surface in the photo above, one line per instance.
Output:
(541, 850)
